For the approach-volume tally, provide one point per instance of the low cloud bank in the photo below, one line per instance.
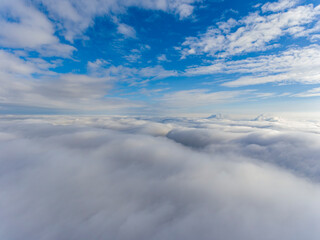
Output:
(127, 178)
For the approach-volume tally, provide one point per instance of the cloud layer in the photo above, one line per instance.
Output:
(130, 178)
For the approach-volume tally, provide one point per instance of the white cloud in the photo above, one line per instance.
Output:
(184, 10)
(10, 63)
(314, 92)
(77, 92)
(278, 6)
(76, 16)
(133, 57)
(252, 33)
(122, 73)
(200, 97)
(24, 25)
(294, 65)
(162, 57)
(30, 29)
(126, 30)
(52, 90)
(74, 92)
(157, 72)
(97, 64)
(105, 177)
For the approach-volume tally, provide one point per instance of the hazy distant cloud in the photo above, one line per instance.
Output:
(199, 97)
(104, 177)
(73, 92)
(52, 90)
(30, 82)
(254, 32)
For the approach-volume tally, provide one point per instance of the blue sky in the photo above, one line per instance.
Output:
(159, 57)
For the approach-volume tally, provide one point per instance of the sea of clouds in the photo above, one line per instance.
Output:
(126, 178)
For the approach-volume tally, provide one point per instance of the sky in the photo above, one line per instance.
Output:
(159, 119)
(159, 57)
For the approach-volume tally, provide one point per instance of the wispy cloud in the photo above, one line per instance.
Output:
(200, 97)
(132, 74)
(294, 65)
(314, 92)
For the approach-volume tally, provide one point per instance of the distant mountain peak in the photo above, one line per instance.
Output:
(216, 116)
(263, 117)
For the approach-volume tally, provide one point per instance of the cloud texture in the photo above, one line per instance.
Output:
(129, 178)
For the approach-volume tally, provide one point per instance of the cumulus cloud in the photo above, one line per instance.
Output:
(129, 178)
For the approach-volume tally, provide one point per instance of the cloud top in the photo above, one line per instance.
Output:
(129, 178)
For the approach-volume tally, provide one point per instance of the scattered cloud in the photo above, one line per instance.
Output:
(254, 32)
(76, 16)
(25, 26)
